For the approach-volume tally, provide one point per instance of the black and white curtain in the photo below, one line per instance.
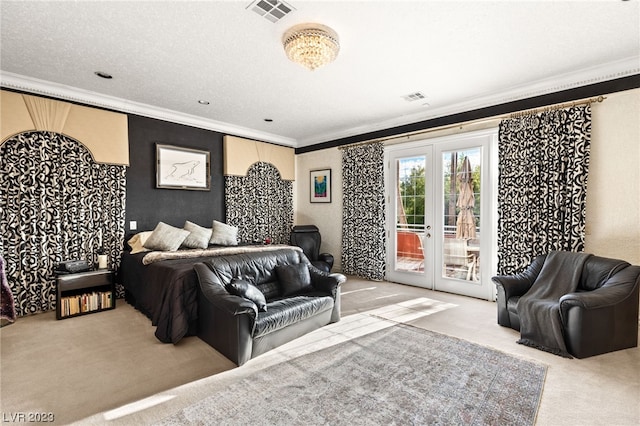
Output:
(260, 204)
(363, 239)
(543, 166)
(56, 204)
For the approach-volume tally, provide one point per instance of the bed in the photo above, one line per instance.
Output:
(163, 286)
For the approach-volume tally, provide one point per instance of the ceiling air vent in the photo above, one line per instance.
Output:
(272, 10)
(416, 96)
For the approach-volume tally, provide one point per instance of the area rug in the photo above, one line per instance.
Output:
(399, 375)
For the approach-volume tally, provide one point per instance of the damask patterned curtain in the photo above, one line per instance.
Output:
(543, 166)
(56, 204)
(363, 240)
(260, 204)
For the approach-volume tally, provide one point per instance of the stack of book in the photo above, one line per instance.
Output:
(88, 302)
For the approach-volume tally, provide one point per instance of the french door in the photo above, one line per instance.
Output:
(410, 215)
(440, 209)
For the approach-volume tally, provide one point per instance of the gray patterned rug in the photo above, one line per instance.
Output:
(399, 375)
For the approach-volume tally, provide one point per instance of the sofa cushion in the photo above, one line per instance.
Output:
(258, 268)
(243, 288)
(294, 279)
(283, 312)
(270, 289)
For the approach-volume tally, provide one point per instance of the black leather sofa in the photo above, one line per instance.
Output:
(299, 299)
(600, 316)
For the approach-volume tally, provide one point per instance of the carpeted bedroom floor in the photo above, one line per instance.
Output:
(109, 367)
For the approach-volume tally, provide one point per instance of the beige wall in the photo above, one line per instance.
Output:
(613, 194)
(326, 216)
(613, 188)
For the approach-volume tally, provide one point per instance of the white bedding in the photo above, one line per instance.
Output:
(156, 256)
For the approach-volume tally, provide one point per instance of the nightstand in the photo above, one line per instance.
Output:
(84, 293)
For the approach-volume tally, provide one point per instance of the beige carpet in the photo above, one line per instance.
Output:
(109, 368)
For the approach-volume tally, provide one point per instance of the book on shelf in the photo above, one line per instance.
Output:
(87, 302)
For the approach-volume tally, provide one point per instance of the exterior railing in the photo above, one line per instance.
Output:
(449, 230)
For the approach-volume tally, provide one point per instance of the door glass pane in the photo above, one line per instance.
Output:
(410, 209)
(461, 242)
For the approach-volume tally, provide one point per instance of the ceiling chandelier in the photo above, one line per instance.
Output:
(311, 45)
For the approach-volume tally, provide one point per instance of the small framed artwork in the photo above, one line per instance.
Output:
(182, 168)
(321, 186)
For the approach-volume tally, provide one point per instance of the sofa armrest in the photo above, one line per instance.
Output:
(325, 281)
(616, 290)
(512, 285)
(605, 319)
(509, 286)
(218, 296)
(600, 298)
(327, 258)
(519, 284)
(225, 321)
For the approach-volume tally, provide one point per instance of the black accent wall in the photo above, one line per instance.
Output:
(149, 205)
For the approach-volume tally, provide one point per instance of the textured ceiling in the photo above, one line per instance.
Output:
(165, 56)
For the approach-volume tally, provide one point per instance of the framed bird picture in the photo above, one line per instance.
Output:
(182, 168)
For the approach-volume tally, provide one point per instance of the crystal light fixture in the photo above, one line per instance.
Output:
(311, 45)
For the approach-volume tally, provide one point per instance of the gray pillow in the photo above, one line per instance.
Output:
(166, 238)
(223, 234)
(198, 237)
(245, 289)
(294, 278)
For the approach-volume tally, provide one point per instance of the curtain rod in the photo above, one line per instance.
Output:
(555, 107)
(517, 114)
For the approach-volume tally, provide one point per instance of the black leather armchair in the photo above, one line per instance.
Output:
(600, 316)
(308, 238)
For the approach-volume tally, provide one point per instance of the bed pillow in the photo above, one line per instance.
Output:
(198, 238)
(137, 242)
(245, 289)
(223, 234)
(294, 278)
(166, 238)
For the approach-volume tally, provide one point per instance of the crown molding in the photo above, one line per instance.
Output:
(591, 75)
(73, 94)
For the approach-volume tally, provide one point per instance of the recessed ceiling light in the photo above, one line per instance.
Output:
(103, 75)
(203, 102)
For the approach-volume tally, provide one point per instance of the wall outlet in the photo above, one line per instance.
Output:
(133, 225)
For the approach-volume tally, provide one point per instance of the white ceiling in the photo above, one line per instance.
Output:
(165, 56)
